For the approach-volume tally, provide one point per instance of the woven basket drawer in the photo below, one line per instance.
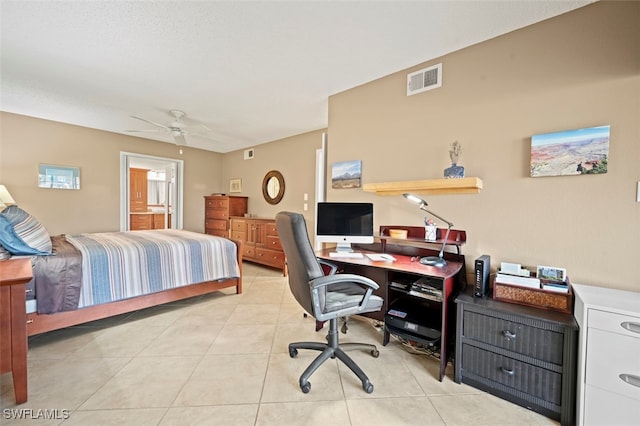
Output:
(539, 343)
(518, 375)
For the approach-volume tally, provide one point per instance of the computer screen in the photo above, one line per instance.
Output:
(344, 223)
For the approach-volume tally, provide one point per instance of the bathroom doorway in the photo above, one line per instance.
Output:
(161, 203)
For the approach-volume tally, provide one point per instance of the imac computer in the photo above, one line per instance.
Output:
(344, 223)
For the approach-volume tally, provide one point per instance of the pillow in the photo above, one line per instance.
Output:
(4, 254)
(12, 242)
(28, 229)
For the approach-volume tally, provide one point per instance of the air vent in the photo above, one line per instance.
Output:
(248, 154)
(425, 79)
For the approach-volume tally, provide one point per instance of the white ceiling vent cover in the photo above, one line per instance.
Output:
(425, 79)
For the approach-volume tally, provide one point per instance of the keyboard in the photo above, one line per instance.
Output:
(345, 254)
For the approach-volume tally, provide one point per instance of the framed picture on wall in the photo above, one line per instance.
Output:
(570, 152)
(235, 185)
(347, 174)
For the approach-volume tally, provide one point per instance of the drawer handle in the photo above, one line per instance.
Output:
(508, 335)
(630, 379)
(508, 371)
(633, 327)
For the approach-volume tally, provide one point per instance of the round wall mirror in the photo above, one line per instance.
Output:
(273, 187)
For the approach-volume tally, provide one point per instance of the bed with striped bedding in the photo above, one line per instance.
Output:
(121, 265)
(98, 275)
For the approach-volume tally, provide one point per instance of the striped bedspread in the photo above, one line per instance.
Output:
(120, 265)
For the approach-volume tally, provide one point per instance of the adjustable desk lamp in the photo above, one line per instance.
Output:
(437, 261)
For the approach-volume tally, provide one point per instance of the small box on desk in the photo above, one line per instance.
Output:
(536, 297)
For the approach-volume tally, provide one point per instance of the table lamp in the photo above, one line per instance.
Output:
(5, 198)
(437, 261)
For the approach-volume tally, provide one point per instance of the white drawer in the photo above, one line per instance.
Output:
(609, 356)
(609, 409)
(616, 323)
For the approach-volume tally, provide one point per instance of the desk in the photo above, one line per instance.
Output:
(404, 268)
(14, 275)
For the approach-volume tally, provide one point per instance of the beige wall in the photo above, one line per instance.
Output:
(578, 70)
(294, 157)
(26, 142)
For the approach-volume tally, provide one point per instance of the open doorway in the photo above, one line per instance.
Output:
(151, 192)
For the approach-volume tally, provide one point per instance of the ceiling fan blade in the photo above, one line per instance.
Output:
(146, 131)
(150, 122)
(180, 140)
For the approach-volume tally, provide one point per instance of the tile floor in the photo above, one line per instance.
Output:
(222, 359)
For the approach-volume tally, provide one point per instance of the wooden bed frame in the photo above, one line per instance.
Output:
(42, 323)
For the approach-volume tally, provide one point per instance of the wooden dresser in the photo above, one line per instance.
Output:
(260, 241)
(14, 274)
(218, 209)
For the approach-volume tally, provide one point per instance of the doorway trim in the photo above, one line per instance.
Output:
(125, 161)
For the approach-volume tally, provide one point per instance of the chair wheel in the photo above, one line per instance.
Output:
(368, 387)
(293, 352)
(375, 353)
(307, 387)
(344, 328)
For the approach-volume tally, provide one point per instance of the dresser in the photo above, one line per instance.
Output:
(261, 241)
(14, 274)
(522, 354)
(218, 209)
(608, 357)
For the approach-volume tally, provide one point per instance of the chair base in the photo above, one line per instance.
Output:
(333, 349)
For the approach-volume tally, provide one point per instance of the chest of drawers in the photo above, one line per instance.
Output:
(218, 210)
(261, 243)
(521, 354)
(609, 356)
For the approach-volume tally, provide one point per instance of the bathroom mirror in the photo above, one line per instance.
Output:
(273, 187)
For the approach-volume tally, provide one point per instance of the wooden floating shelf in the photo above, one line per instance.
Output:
(467, 185)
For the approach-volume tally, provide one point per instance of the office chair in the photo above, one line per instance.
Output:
(326, 297)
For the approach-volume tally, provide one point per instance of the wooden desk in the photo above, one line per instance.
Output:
(14, 275)
(405, 267)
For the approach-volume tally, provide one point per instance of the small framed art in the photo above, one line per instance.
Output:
(235, 185)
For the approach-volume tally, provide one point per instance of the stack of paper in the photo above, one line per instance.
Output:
(517, 280)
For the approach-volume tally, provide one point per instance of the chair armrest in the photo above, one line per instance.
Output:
(326, 280)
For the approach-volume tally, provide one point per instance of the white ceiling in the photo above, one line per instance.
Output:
(251, 72)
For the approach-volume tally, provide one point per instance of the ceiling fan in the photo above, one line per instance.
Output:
(177, 128)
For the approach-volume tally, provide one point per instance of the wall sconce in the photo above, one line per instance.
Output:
(437, 261)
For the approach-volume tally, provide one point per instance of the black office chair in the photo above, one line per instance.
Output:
(326, 297)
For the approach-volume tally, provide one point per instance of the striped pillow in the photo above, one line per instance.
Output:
(4, 254)
(28, 229)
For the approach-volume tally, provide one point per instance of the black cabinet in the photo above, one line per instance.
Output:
(521, 354)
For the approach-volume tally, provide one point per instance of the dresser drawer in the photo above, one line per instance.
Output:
(622, 324)
(217, 233)
(613, 363)
(518, 375)
(219, 203)
(542, 344)
(217, 214)
(608, 409)
(272, 229)
(220, 225)
(238, 225)
(271, 257)
(273, 243)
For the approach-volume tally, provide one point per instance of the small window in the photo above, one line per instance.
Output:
(60, 177)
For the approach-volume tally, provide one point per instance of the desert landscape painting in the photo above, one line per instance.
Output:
(346, 174)
(571, 152)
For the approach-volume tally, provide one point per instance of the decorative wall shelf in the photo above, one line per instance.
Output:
(467, 185)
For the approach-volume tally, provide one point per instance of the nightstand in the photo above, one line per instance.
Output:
(14, 275)
(522, 354)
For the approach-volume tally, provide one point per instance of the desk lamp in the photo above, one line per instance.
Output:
(437, 261)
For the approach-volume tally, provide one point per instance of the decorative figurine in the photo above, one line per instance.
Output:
(454, 171)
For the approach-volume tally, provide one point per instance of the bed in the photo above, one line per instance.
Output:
(85, 277)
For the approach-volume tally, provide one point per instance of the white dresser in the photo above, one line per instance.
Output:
(608, 388)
